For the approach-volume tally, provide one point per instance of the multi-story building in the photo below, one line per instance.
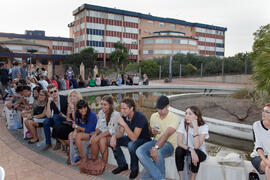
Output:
(145, 35)
(45, 47)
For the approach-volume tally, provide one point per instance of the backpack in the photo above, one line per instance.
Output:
(253, 176)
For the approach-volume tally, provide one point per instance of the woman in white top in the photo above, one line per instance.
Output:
(191, 136)
(106, 128)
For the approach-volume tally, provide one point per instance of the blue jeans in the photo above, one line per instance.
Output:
(132, 147)
(50, 122)
(155, 170)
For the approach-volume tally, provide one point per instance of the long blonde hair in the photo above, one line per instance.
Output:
(74, 91)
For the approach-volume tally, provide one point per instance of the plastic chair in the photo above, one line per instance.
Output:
(2, 173)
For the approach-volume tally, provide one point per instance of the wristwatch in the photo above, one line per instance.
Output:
(156, 146)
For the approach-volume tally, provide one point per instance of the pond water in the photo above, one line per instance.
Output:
(145, 103)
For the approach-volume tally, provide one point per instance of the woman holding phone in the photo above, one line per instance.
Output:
(191, 136)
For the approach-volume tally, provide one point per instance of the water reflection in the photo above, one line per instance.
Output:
(145, 101)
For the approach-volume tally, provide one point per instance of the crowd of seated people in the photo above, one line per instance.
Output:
(71, 122)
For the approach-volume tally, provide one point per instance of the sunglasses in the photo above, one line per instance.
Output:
(267, 112)
(55, 91)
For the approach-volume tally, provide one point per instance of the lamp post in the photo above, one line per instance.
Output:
(31, 51)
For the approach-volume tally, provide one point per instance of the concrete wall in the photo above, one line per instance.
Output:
(238, 79)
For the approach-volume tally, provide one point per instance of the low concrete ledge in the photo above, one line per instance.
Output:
(209, 169)
(149, 88)
(217, 126)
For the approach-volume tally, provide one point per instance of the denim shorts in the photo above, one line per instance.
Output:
(256, 162)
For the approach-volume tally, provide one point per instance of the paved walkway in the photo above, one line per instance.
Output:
(186, 81)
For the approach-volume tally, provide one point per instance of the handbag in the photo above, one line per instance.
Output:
(253, 176)
(69, 123)
(92, 167)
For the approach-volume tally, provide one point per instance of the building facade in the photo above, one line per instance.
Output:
(42, 50)
(145, 35)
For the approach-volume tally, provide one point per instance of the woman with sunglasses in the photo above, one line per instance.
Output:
(107, 126)
(39, 112)
(84, 126)
(191, 136)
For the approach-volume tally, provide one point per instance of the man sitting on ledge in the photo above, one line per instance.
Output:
(135, 125)
(260, 157)
(56, 113)
(163, 125)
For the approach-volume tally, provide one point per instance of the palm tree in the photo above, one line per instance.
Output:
(261, 58)
(120, 55)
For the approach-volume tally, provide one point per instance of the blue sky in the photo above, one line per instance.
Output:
(241, 17)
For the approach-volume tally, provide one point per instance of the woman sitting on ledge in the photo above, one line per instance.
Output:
(39, 112)
(106, 127)
(84, 127)
(192, 133)
(260, 157)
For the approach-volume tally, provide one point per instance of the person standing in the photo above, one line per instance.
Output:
(24, 71)
(163, 125)
(3, 79)
(135, 125)
(260, 157)
(69, 72)
(15, 71)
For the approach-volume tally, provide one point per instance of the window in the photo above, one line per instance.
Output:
(15, 48)
(43, 50)
(164, 41)
(147, 51)
(184, 41)
(161, 24)
(151, 22)
(172, 26)
(177, 34)
(133, 51)
(192, 43)
(163, 34)
(65, 43)
(219, 41)
(149, 41)
(201, 47)
(219, 49)
(202, 39)
(82, 26)
(182, 27)
(131, 19)
(162, 51)
(202, 30)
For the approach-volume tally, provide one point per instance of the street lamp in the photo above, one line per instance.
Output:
(31, 51)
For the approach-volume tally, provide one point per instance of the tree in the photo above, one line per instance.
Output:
(150, 68)
(4, 49)
(261, 58)
(120, 55)
(87, 56)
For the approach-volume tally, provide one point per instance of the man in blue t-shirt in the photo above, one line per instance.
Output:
(135, 125)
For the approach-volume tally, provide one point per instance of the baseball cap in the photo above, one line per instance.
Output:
(162, 102)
